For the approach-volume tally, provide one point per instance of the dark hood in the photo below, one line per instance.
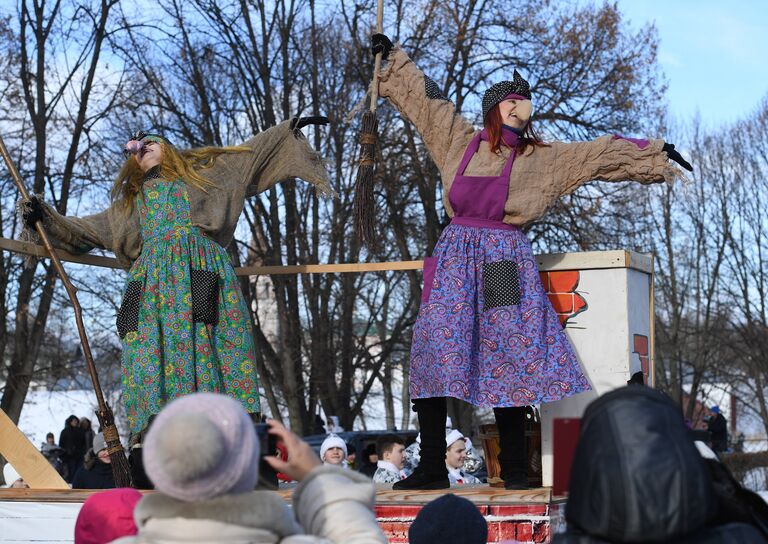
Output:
(636, 476)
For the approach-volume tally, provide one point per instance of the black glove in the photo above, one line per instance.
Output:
(32, 212)
(380, 43)
(673, 155)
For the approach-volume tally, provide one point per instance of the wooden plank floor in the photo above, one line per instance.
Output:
(481, 494)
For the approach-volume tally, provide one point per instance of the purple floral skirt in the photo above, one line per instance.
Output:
(486, 332)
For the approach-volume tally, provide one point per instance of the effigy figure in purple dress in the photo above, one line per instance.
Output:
(486, 332)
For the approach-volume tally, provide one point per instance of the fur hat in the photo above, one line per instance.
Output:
(449, 519)
(332, 441)
(107, 516)
(201, 446)
(98, 443)
(496, 93)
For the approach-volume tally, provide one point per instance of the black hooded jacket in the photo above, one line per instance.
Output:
(72, 440)
(637, 477)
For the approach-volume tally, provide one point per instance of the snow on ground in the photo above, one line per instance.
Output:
(46, 411)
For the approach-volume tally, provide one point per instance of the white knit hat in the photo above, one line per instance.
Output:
(332, 441)
(453, 436)
(10, 474)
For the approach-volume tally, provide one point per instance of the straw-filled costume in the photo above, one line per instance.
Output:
(183, 322)
(486, 332)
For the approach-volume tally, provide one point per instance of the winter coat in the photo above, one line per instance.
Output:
(88, 436)
(718, 428)
(539, 176)
(637, 477)
(72, 441)
(54, 454)
(329, 506)
(387, 473)
(279, 153)
(99, 476)
(457, 476)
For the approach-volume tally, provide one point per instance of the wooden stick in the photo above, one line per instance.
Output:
(104, 413)
(377, 61)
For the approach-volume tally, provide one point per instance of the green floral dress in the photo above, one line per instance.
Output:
(184, 324)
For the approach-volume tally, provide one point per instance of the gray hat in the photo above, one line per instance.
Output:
(497, 92)
(99, 443)
(225, 455)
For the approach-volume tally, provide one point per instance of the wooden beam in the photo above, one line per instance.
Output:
(587, 260)
(29, 248)
(479, 494)
(328, 268)
(35, 469)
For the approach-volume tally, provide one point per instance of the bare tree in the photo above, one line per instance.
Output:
(60, 49)
(214, 72)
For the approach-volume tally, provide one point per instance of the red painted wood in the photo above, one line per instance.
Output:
(565, 436)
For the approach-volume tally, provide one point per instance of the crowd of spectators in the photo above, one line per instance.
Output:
(212, 493)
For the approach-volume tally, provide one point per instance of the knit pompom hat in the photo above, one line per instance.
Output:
(201, 446)
(332, 441)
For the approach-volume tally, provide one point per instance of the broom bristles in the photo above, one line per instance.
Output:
(364, 203)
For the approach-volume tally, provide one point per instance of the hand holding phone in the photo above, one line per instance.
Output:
(301, 457)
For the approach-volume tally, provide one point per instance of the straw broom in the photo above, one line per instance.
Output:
(120, 469)
(364, 205)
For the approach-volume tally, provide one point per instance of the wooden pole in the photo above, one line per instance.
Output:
(120, 467)
(377, 61)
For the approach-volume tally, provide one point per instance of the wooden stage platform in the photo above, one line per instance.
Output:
(521, 517)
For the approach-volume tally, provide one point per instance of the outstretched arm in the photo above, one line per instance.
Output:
(613, 158)
(419, 99)
(73, 234)
(276, 154)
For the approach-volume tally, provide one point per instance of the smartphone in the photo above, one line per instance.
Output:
(267, 442)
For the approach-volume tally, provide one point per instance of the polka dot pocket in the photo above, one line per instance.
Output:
(205, 296)
(501, 284)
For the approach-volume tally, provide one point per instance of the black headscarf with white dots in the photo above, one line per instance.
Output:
(502, 89)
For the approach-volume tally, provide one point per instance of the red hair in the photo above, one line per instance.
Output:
(493, 125)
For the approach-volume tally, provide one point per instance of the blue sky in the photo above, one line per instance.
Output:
(714, 54)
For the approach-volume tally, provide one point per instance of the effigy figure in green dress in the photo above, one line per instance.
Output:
(183, 321)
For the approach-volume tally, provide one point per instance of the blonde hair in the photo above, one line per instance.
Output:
(174, 165)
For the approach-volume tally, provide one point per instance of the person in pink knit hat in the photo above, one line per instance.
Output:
(107, 516)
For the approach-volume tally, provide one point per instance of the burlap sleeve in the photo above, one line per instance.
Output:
(72, 234)
(418, 99)
(277, 154)
(609, 158)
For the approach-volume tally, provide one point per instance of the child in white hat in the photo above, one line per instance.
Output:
(333, 451)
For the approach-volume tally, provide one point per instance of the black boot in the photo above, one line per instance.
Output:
(431, 472)
(513, 457)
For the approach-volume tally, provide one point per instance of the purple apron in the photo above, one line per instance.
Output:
(486, 332)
